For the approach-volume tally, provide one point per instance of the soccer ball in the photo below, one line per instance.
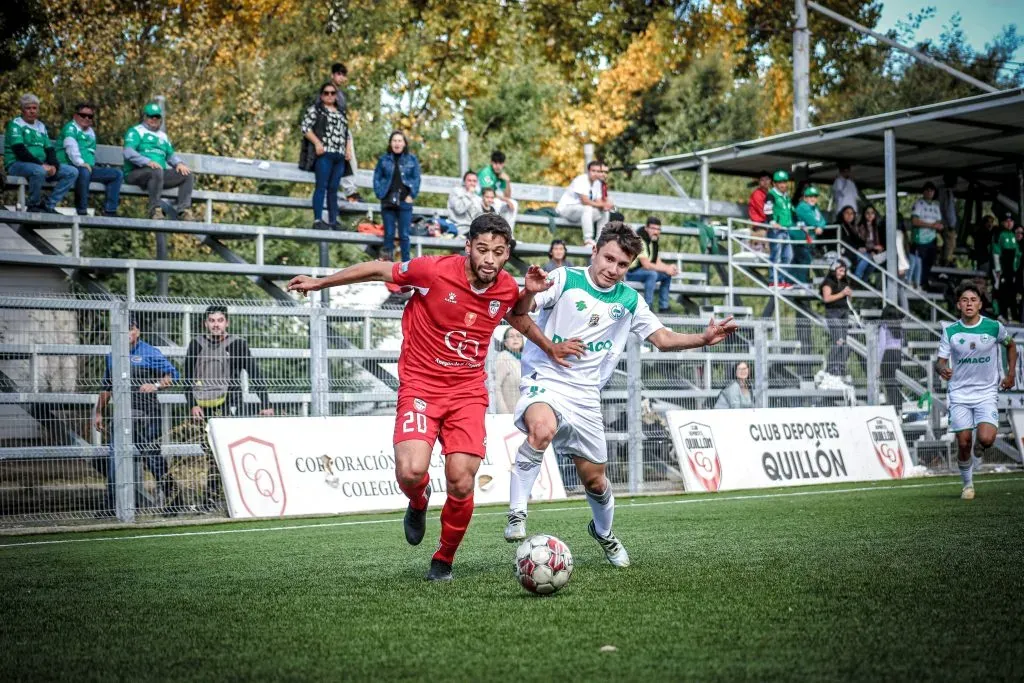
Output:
(543, 564)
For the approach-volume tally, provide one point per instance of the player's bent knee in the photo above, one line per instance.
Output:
(541, 437)
(460, 486)
(408, 474)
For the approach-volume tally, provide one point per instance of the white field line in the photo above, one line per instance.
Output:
(361, 522)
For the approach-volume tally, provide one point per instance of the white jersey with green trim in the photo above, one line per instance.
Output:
(974, 354)
(603, 318)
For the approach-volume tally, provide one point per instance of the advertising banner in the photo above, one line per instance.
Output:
(274, 467)
(721, 450)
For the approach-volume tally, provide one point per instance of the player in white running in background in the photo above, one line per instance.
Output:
(562, 406)
(971, 361)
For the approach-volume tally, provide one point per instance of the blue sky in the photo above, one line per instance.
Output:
(981, 20)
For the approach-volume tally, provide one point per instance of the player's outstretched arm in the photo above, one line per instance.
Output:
(368, 271)
(667, 340)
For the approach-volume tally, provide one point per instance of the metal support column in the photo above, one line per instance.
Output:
(634, 416)
(891, 211)
(1020, 193)
(801, 68)
(463, 152)
(122, 467)
(760, 366)
(161, 255)
(872, 364)
(729, 245)
(318, 366)
(705, 190)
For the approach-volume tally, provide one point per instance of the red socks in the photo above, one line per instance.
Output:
(417, 501)
(455, 517)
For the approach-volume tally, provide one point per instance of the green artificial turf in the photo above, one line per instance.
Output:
(900, 581)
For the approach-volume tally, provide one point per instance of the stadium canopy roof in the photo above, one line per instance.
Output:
(978, 138)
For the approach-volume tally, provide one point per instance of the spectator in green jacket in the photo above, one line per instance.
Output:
(151, 163)
(496, 177)
(779, 211)
(1005, 264)
(29, 153)
(78, 148)
(810, 223)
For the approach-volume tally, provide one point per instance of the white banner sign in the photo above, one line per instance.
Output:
(721, 450)
(313, 465)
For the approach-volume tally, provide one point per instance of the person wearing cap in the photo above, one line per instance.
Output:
(810, 225)
(1006, 261)
(151, 163)
(926, 219)
(78, 148)
(29, 153)
(779, 211)
(755, 210)
(151, 373)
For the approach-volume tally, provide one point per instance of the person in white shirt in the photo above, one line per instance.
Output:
(844, 191)
(926, 219)
(579, 204)
(464, 203)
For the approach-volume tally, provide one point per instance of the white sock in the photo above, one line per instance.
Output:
(524, 475)
(966, 471)
(603, 507)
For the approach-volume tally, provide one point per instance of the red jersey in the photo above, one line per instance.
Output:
(447, 325)
(755, 207)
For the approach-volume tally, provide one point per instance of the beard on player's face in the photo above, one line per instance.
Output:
(487, 256)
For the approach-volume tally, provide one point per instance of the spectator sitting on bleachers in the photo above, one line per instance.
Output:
(147, 153)
(873, 231)
(737, 394)
(557, 257)
(755, 211)
(325, 127)
(1006, 262)
(464, 203)
(844, 191)
(396, 182)
(488, 201)
(29, 153)
(984, 235)
(581, 203)
(495, 177)
(850, 234)
(78, 148)
(603, 193)
(779, 210)
(926, 217)
(648, 268)
(508, 371)
(810, 223)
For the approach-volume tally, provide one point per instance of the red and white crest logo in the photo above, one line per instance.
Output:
(258, 476)
(887, 445)
(494, 307)
(470, 319)
(702, 454)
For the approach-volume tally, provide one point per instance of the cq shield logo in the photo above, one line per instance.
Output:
(258, 477)
(493, 307)
(887, 445)
(702, 454)
(459, 342)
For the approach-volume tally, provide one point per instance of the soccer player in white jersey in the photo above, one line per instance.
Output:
(971, 362)
(563, 406)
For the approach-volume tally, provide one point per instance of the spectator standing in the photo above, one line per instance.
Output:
(507, 371)
(779, 210)
(396, 182)
(78, 148)
(464, 203)
(648, 268)
(1005, 266)
(150, 373)
(495, 177)
(214, 363)
(755, 211)
(947, 204)
(29, 153)
(890, 351)
(580, 205)
(325, 127)
(738, 393)
(339, 77)
(150, 162)
(873, 230)
(926, 218)
(984, 236)
(810, 225)
(557, 256)
(844, 190)
(835, 290)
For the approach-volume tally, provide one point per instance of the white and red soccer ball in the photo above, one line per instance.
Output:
(543, 564)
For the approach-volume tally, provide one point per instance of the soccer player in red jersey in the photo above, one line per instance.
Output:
(457, 302)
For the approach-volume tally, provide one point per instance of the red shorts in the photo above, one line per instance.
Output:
(459, 421)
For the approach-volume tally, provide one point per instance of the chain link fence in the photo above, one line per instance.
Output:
(104, 402)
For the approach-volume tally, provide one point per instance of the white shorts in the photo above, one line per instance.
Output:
(580, 427)
(966, 416)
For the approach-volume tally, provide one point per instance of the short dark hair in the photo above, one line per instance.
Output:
(467, 174)
(763, 174)
(84, 105)
(339, 68)
(653, 220)
(929, 186)
(594, 163)
(490, 223)
(555, 243)
(623, 235)
(488, 189)
(217, 308)
(967, 286)
(498, 157)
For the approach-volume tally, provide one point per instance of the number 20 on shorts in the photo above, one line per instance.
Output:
(414, 422)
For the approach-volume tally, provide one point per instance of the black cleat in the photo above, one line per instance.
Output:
(416, 522)
(439, 571)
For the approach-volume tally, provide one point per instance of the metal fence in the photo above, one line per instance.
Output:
(85, 432)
